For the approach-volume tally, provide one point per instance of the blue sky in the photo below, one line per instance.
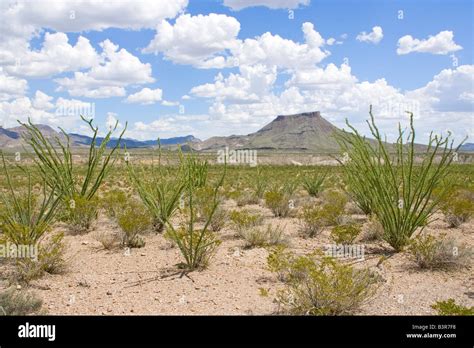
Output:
(238, 64)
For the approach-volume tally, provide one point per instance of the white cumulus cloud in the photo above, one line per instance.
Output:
(146, 96)
(117, 69)
(375, 36)
(238, 5)
(195, 40)
(441, 43)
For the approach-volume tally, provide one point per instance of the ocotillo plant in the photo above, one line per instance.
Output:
(398, 190)
(24, 218)
(160, 190)
(55, 163)
(314, 184)
(196, 245)
(54, 160)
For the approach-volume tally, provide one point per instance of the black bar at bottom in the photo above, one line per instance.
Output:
(331, 331)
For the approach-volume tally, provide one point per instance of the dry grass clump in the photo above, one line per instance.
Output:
(18, 302)
(430, 252)
(258, 236)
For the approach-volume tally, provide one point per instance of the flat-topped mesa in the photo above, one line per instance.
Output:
(314, 114)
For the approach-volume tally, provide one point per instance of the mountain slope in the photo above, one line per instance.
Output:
(12, 138)
(467, 147)
(305, 131)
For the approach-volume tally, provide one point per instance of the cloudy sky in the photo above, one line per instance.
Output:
(221, 67)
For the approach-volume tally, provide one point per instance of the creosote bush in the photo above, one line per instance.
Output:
(319, 285)
(450, 307)
(245, 220)
(278, 201)
(312, 220)
(113, 201)
(133, 221)
(430, 252)
(395, 187)
(81, 213)
(345, 234)
(333, 205)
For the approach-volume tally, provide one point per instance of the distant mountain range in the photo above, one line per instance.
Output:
(12, 138)
(300, 132)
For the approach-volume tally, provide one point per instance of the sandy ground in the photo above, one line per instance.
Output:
(146, 280)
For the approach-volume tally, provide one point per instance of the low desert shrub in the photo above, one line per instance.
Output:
(113, 201)
(449, 307)
(244, 220)
(50, 258)
(262, 237)
(246, 198)
(311, 220)
(219, 219)
(333, 205)
(374, 230)
(278, 202)
(107, 239)
(320, 285)
(18, 302)
(51, 254)
(345, 234)
(430, 252)
(80, 213)
(133, 220)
